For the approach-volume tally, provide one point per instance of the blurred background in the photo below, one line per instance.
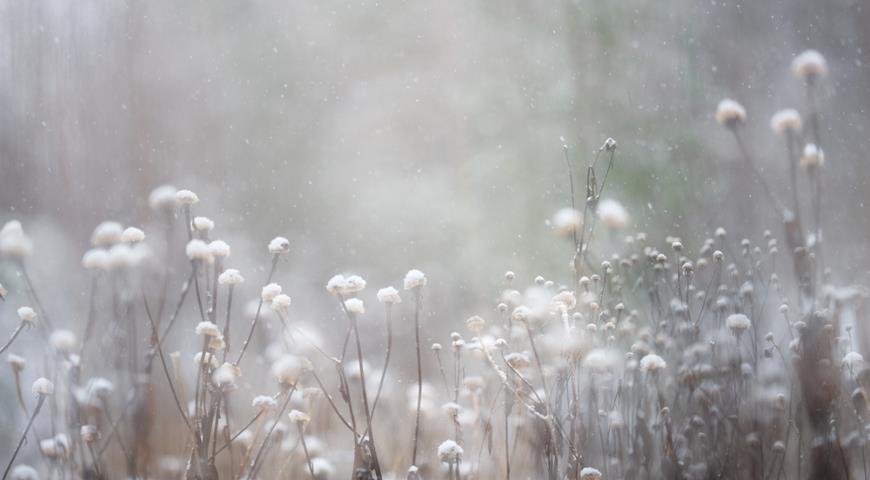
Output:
(384, 136)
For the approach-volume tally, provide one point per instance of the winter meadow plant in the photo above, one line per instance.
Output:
(645, 358)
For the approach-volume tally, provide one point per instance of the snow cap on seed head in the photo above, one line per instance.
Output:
(27, 315)
(13, 241)
(270, 291)
(788, 120)
(203, 224)
(230, 276)
(279, 245)
(197, 250)
(809, 65)
(415, 279)
(163, 198)
(730, 113)
(355, 305)
(42, 386)
(219, 249)
(389, 295)
(186, 197)
(107, 234)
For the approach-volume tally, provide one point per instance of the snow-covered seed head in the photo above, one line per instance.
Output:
(414, 279)
(589, 473)
(89, 433)
(355, 305)
(287, 370)
(609, 144)
(132, 235)
(652, 363)
(281, 303)
(219, 249)
(853, 360)
(809, 65)
(16, 362)
(63, 341)
(96, 259)
(186, 197)
(389, 295)
(208, 329)
(163, 198)
(225, 376)
(107, 234)
(13, 241)
(264, 403)
(99, 387)
(521, 314)
(612, 214)
(279, 245)
(26, 315)
(738, 323)
(42, 386)
(270, 291)
(730, 113)
(23, 472)
(566, 221)
(230, 276)
(813, 156)
(203, 224)
(452, 409)
(517, 360)
(509, 276)
(198, 251)
(475, 324)
(353, 284)
(788, 120)
(450, 452)
(298, 417)
(436, 347)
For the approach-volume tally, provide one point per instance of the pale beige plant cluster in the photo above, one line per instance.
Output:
(719, 357)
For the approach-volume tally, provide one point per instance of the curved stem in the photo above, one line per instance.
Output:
(39, 403)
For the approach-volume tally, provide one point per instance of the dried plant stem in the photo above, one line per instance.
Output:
(389, 319)
(418, 303)
(36, 410)
(305, 449)
(12, 337)
(257, 315)
(265, 442)
(165, 367)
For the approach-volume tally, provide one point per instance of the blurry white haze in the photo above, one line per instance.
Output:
(698, 313)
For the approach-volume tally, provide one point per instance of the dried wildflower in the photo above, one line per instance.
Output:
(281, 303)
(813, 156)
(323, 468)
(230, 276)
(208, 329)
(809, 65)
(517, 360)
(96, 259)
(567, 221)
(203, 224)
(788, 120)
(389, 295)
(63, 341)
(521, 314)
(270, 291)
(107, 234)
(287, 369)
(738, 323)
(219, 249)
(452, 409)
(13, 241)
(89, 433)
(730, 113)
(264, 403)
(198, 251)
(652, 363)
(436, 347)
(475, 323)
(163, 198)
(355, 305)
(186, 197)
(853, 360)
(279, 245)
(589, 473)
(27, 315)
(42, 386)
(450, 452)
(99, 387)
(298, 417)
(16, 362)
(132, 235)
(612, 214)
(225, 376)
(414, 279)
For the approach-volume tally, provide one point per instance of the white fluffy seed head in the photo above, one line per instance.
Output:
(287, 369)
(270, 291)
(107, 234)
(264, 403)
(566, 221)
(612, 214)
(24, 472)
(449, 452)
(738, 323)
(99, 387)
(589, 473)
(281, 303)
(163, 198)
(26, 315)
(132, 235)
(96, 259)
(13, 241)
(788, 120)
(652, 363)
(203, 224)
(279, 245)
(16, 362)
(121, 256)
(389, 295)
(730, 113)
(230, 276)
(63, 341)
(355, 305)
(219, 249)
(298, 417)
(415, 279)
(42, 386)
(813, 156)
(853, 360)
(341, 285)
(198, 251)
(186, 197)
(208, 329)
(809, 65)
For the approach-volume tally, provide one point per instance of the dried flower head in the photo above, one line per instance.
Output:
(89, 433)
(42, 386)
(264, 403)
(355, 305)
(26, 315)
(270, 291)
(13, 241)
(517, 360)
(809, 65)
(186, 197)
(589, 473)
(475, 323)
(738, 323)
(279, 245)
(208, 329)
(788, 120)
(298, 417)
(198, 251)
(566, 221)
(414, 279)
(63, 341)
(219, 249)
(107, 234)
(389, 295)
(96, 259)
(16, 362)
(730, 113)
(612, 214)
(813, 156)
(287, 369)
(652, 363)
(203, 224)
(99, 387)
(281, 303)
(163, 198)
(230, 276)
(205, 358)
(132, 235)
(24, 472)
(449, 452)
